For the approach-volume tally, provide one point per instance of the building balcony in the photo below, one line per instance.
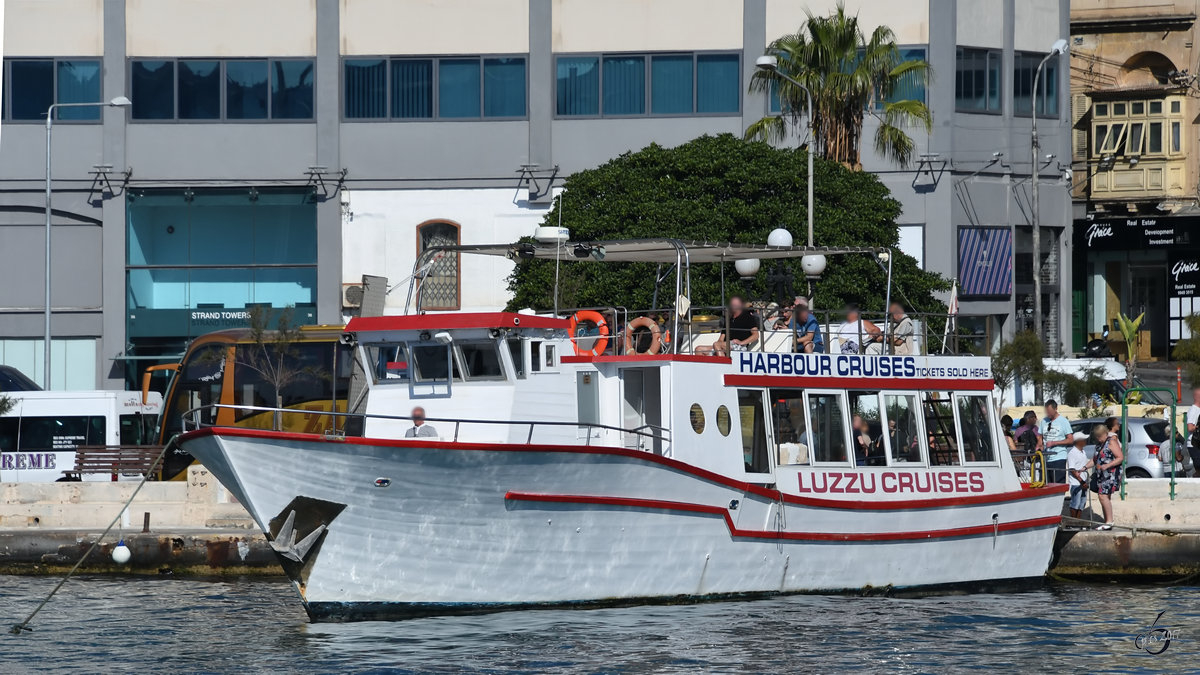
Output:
(1144, 179)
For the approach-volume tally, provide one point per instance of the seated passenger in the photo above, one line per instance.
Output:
(808, 331)
(742, 330)
(858, 336)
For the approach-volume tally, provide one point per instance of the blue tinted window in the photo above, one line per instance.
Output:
(412, 88)
(504, 87)
(458, 88)
(283, 286)
(246, 90)
(32, 88)
(292, 90)
(365, 88)
(910, 87)
(624, 85)
(199, 90)
(717, 83)
(153, 90)
(578, 85)
(773, 104)
(671, 84)
(79, 82)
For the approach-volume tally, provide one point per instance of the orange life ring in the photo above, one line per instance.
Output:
(655, 335)
(596, 318)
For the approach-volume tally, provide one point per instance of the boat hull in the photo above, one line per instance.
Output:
(406, 528)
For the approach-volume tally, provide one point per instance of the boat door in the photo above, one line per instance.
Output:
(641, 408)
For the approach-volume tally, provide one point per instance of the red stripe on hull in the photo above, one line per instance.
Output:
(871, 383)
(684, 507)
(774, 495)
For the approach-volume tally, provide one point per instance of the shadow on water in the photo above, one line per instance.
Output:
(255, 625)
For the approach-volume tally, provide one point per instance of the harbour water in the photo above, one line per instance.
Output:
(113, 624)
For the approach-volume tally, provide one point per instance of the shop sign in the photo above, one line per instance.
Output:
(1134, 233)
(1183, 300)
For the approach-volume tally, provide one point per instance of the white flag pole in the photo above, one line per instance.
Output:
(951, 314)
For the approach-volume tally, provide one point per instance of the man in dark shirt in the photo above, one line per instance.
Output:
(742, 327)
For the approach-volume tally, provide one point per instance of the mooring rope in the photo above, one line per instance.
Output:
(18, 628)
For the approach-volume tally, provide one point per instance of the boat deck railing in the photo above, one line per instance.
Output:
(341, 424)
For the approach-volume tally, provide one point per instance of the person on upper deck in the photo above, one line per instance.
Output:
(741, 330)
(901, 339)
(419, 428)
(808, 331)
(858, 336)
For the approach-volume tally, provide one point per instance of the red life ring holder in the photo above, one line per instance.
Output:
(655, 335)
(588, 316)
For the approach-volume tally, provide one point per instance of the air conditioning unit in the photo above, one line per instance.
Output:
(352, 295)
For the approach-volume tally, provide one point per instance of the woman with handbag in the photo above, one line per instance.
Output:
(1107, 475)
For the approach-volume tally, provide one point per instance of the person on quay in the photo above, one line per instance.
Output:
(1056, 441)
(1006, 427)
(901, 339)
(1107, 464)
(420, 429)
(1028, 437)
(1077, 474)
(1193, 427)
(858, 336)
(741, 332)
(808, 331)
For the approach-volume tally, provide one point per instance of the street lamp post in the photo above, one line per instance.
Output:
(1059, 47)
(771, 64)
(117, 102)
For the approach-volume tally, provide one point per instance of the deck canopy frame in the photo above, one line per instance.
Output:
(679, 253)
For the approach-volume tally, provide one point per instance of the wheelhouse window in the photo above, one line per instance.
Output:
(827, 426)
(939, 429)
(481, 361)
(439, 287)
(903, 435)
(792, 439)
(754, 431)
(975, 427)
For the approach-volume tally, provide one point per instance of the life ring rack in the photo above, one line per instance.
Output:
(596, 319)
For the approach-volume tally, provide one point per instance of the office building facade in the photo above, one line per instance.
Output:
(275, 159)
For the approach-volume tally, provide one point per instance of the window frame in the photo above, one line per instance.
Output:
(1036, 59)
(223, 118)
(457, 266)
(847, 437)
(435, 96)
(918, 415)
(993, 424)
(988, 53)
(648, 71)
(6, 104)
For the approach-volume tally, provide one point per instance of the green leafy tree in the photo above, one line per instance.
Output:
(1018, 359)
(724, 189)
(850, 75)
(6, 404)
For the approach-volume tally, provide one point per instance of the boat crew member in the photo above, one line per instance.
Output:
(1057, 439)
(419, 429)
(902, 331)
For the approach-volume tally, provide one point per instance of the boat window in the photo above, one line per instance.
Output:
(550, 351)
(535, 356)
(792, 439)
(903, 436)
(939, 428)
(390, 362)
(977, 441)
(754, 432)
(481, 361)
(518, 356)
(433, 363)
(827, 425)
(866, 428)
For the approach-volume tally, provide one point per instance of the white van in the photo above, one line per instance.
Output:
(39, 435)
(1021, 393)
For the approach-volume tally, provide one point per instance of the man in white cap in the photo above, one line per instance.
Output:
(1077, 474)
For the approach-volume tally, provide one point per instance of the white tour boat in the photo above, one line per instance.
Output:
(559, 472)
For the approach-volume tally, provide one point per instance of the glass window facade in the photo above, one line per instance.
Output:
(977, 80)
(231, 90)
(31, 86)
(620, 85)
(1024, 68)
(198, 257)
(471, 87)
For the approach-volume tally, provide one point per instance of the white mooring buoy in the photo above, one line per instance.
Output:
(121, 554)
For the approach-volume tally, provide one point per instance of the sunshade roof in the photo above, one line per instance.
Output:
(654, 250)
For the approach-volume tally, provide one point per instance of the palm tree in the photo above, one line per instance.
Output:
(850, 76)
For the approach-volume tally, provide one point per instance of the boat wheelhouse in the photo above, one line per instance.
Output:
(551, 473)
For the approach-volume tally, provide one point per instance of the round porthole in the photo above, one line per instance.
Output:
(697, 417)
(723, 420)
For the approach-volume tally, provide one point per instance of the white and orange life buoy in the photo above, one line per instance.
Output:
(655, 335)
(596, 319)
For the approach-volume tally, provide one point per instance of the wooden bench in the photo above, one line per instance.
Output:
(114, 460)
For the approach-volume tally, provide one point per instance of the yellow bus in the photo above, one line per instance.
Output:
(228, 368)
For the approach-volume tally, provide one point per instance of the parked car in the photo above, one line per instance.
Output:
(1147, 446)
